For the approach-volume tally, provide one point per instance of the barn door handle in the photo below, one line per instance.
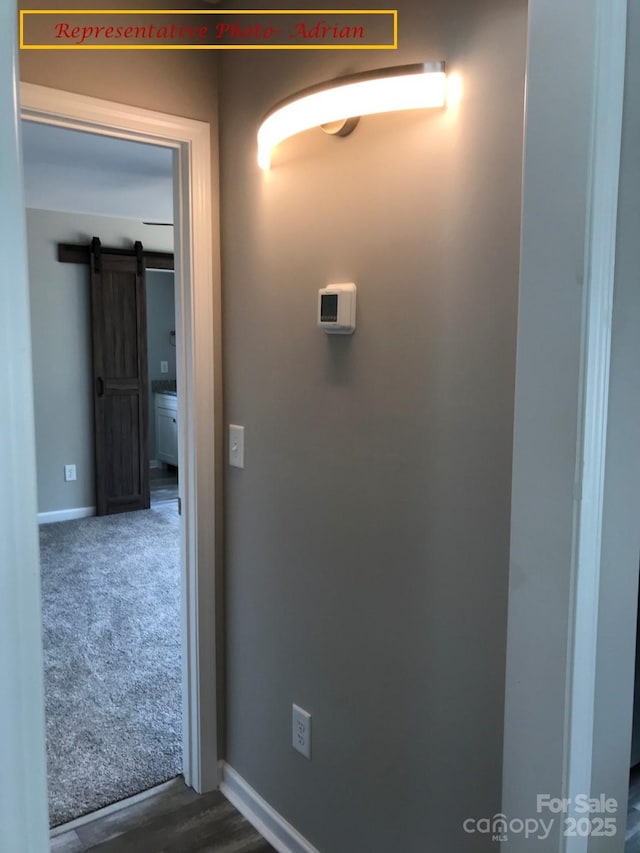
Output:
(100, 386)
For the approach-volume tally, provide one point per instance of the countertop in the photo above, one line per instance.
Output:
(164, 386)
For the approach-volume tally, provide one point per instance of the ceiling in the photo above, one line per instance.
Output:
(79, 172)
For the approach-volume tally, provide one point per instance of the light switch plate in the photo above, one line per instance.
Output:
(236, 446)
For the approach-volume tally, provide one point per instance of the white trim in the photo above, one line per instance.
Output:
(600, 251)
(66, 514)
(197, 271)
(561, 402)
(23, 773)
(269, 823)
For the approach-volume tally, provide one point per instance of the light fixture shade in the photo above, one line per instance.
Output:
(405, 87)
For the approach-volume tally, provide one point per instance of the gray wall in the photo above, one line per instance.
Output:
(161, 319)
(179, 82)
(367, 538)
(61, 346)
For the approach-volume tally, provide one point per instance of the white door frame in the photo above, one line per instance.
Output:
(24, 821)
(196, 264)
(561, 461)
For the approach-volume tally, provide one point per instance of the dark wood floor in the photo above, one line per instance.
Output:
(177, 820)
(632, 843)
(174, 820)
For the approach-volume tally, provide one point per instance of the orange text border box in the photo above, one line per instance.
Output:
(229, 13)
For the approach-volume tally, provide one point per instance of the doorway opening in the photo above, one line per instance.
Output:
(197, 281)
(110, 585)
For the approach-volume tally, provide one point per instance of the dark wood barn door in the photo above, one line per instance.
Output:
(119, 328)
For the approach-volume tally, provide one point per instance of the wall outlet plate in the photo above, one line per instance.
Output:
(301, 731)
(69, 473)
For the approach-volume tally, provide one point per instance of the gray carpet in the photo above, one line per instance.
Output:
(111, 621)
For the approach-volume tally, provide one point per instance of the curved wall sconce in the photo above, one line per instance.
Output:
(337, 104)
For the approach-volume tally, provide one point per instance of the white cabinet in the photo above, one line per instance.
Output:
(166, 411)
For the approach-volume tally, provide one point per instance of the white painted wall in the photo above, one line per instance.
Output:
(61, 335)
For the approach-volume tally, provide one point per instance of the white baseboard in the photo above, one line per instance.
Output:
(271, 825)
(66, 514)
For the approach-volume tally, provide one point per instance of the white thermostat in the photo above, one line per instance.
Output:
(337, 309)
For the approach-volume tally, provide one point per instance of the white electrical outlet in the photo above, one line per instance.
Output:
(164, 367)
(301, 731)
(69, 473)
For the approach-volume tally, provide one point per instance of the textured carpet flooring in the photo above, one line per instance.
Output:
(111, 621)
